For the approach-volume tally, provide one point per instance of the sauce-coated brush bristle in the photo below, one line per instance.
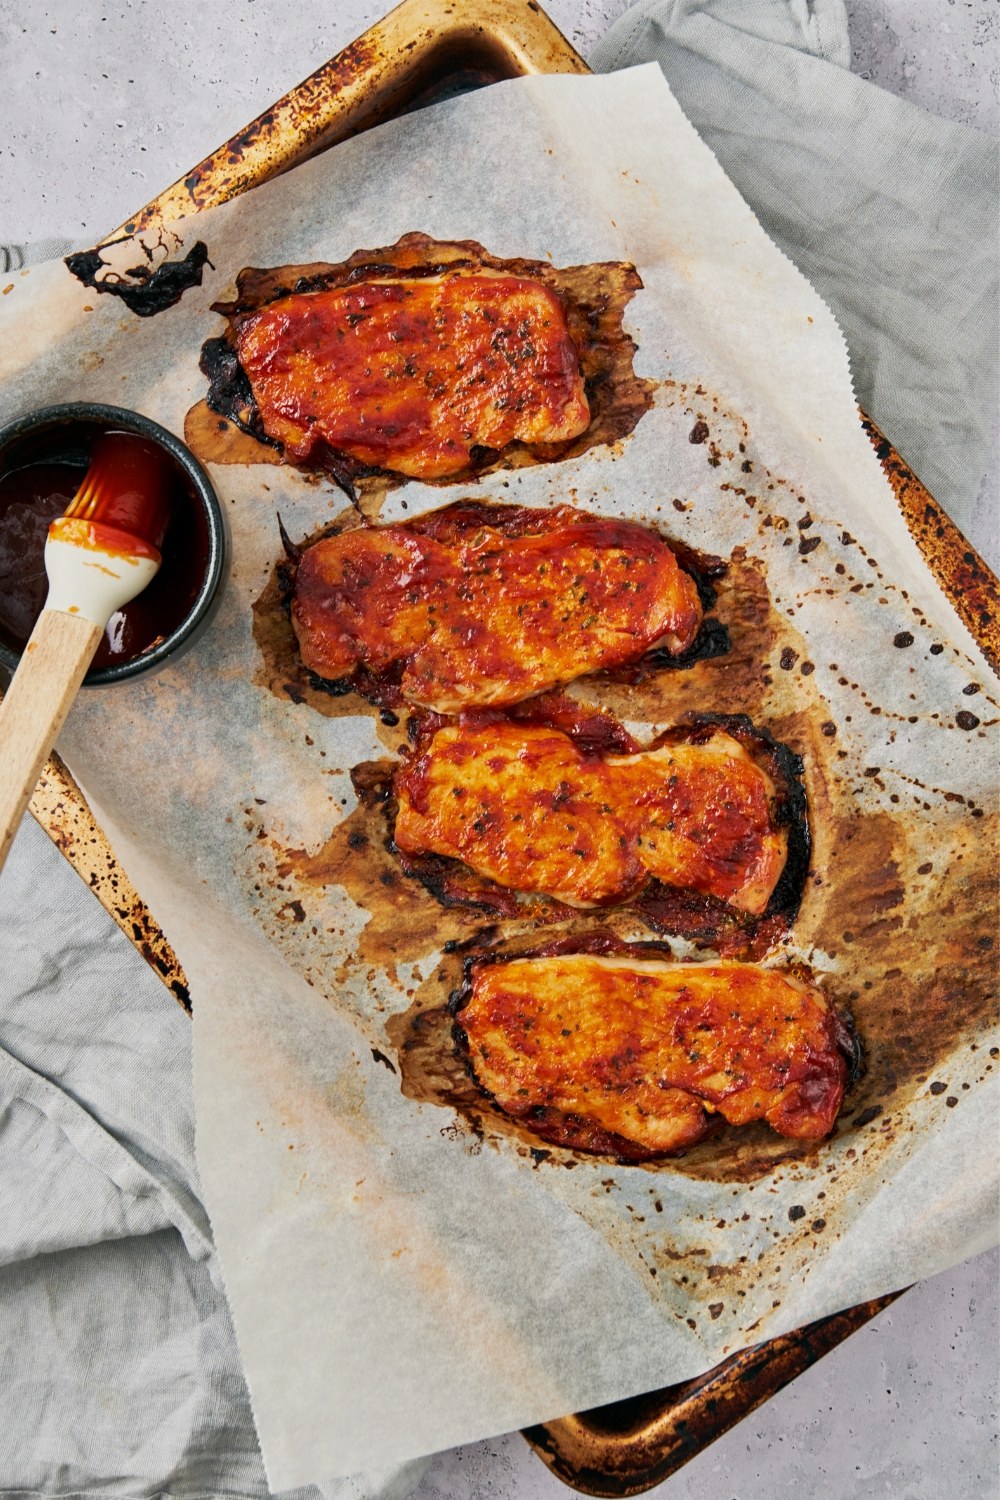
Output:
(99, 555)
(127, 486)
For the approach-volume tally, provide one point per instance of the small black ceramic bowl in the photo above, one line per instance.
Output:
(43, 458)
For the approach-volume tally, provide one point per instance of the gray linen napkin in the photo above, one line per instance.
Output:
(16, 257)
(119, 1369)
(891, 213)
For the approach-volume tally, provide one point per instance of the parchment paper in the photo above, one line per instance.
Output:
(399, 1285)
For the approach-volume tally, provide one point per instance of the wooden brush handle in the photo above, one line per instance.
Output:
(34, 707)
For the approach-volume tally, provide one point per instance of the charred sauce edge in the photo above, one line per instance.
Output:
(229, 391)
(148, 292)
(703, 919)
(574, 1132)
(383, 689)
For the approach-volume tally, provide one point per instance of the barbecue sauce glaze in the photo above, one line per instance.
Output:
(31, 497)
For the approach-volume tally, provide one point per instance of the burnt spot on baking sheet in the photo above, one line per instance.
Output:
(712, 640)
(969, 583)
(59, 807)
(594, 298)
(432, 1072)
(227, 428)
(234, 167)
(144, 292)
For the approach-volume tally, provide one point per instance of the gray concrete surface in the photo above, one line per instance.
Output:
(943, 55)
(905, 1410)
(103, 105)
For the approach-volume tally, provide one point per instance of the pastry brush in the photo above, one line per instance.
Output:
(100, 554)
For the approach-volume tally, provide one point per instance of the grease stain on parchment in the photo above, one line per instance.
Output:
(406, 922)
(217, 440)
(891, 923)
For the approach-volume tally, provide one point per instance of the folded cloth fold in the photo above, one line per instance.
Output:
(891, 213)
(119, 1369)
(16, 257)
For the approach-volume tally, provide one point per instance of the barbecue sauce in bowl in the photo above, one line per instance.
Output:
(38, 487)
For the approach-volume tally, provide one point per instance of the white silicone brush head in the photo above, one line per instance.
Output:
(90, 576)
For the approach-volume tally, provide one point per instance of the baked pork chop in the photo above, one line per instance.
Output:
(410, 375)
(584, 1047)
(526, 807)
(481, 605)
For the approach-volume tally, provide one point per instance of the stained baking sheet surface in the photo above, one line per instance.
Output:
(403, 1279)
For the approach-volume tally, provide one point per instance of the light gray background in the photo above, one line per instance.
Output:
(101, 106)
